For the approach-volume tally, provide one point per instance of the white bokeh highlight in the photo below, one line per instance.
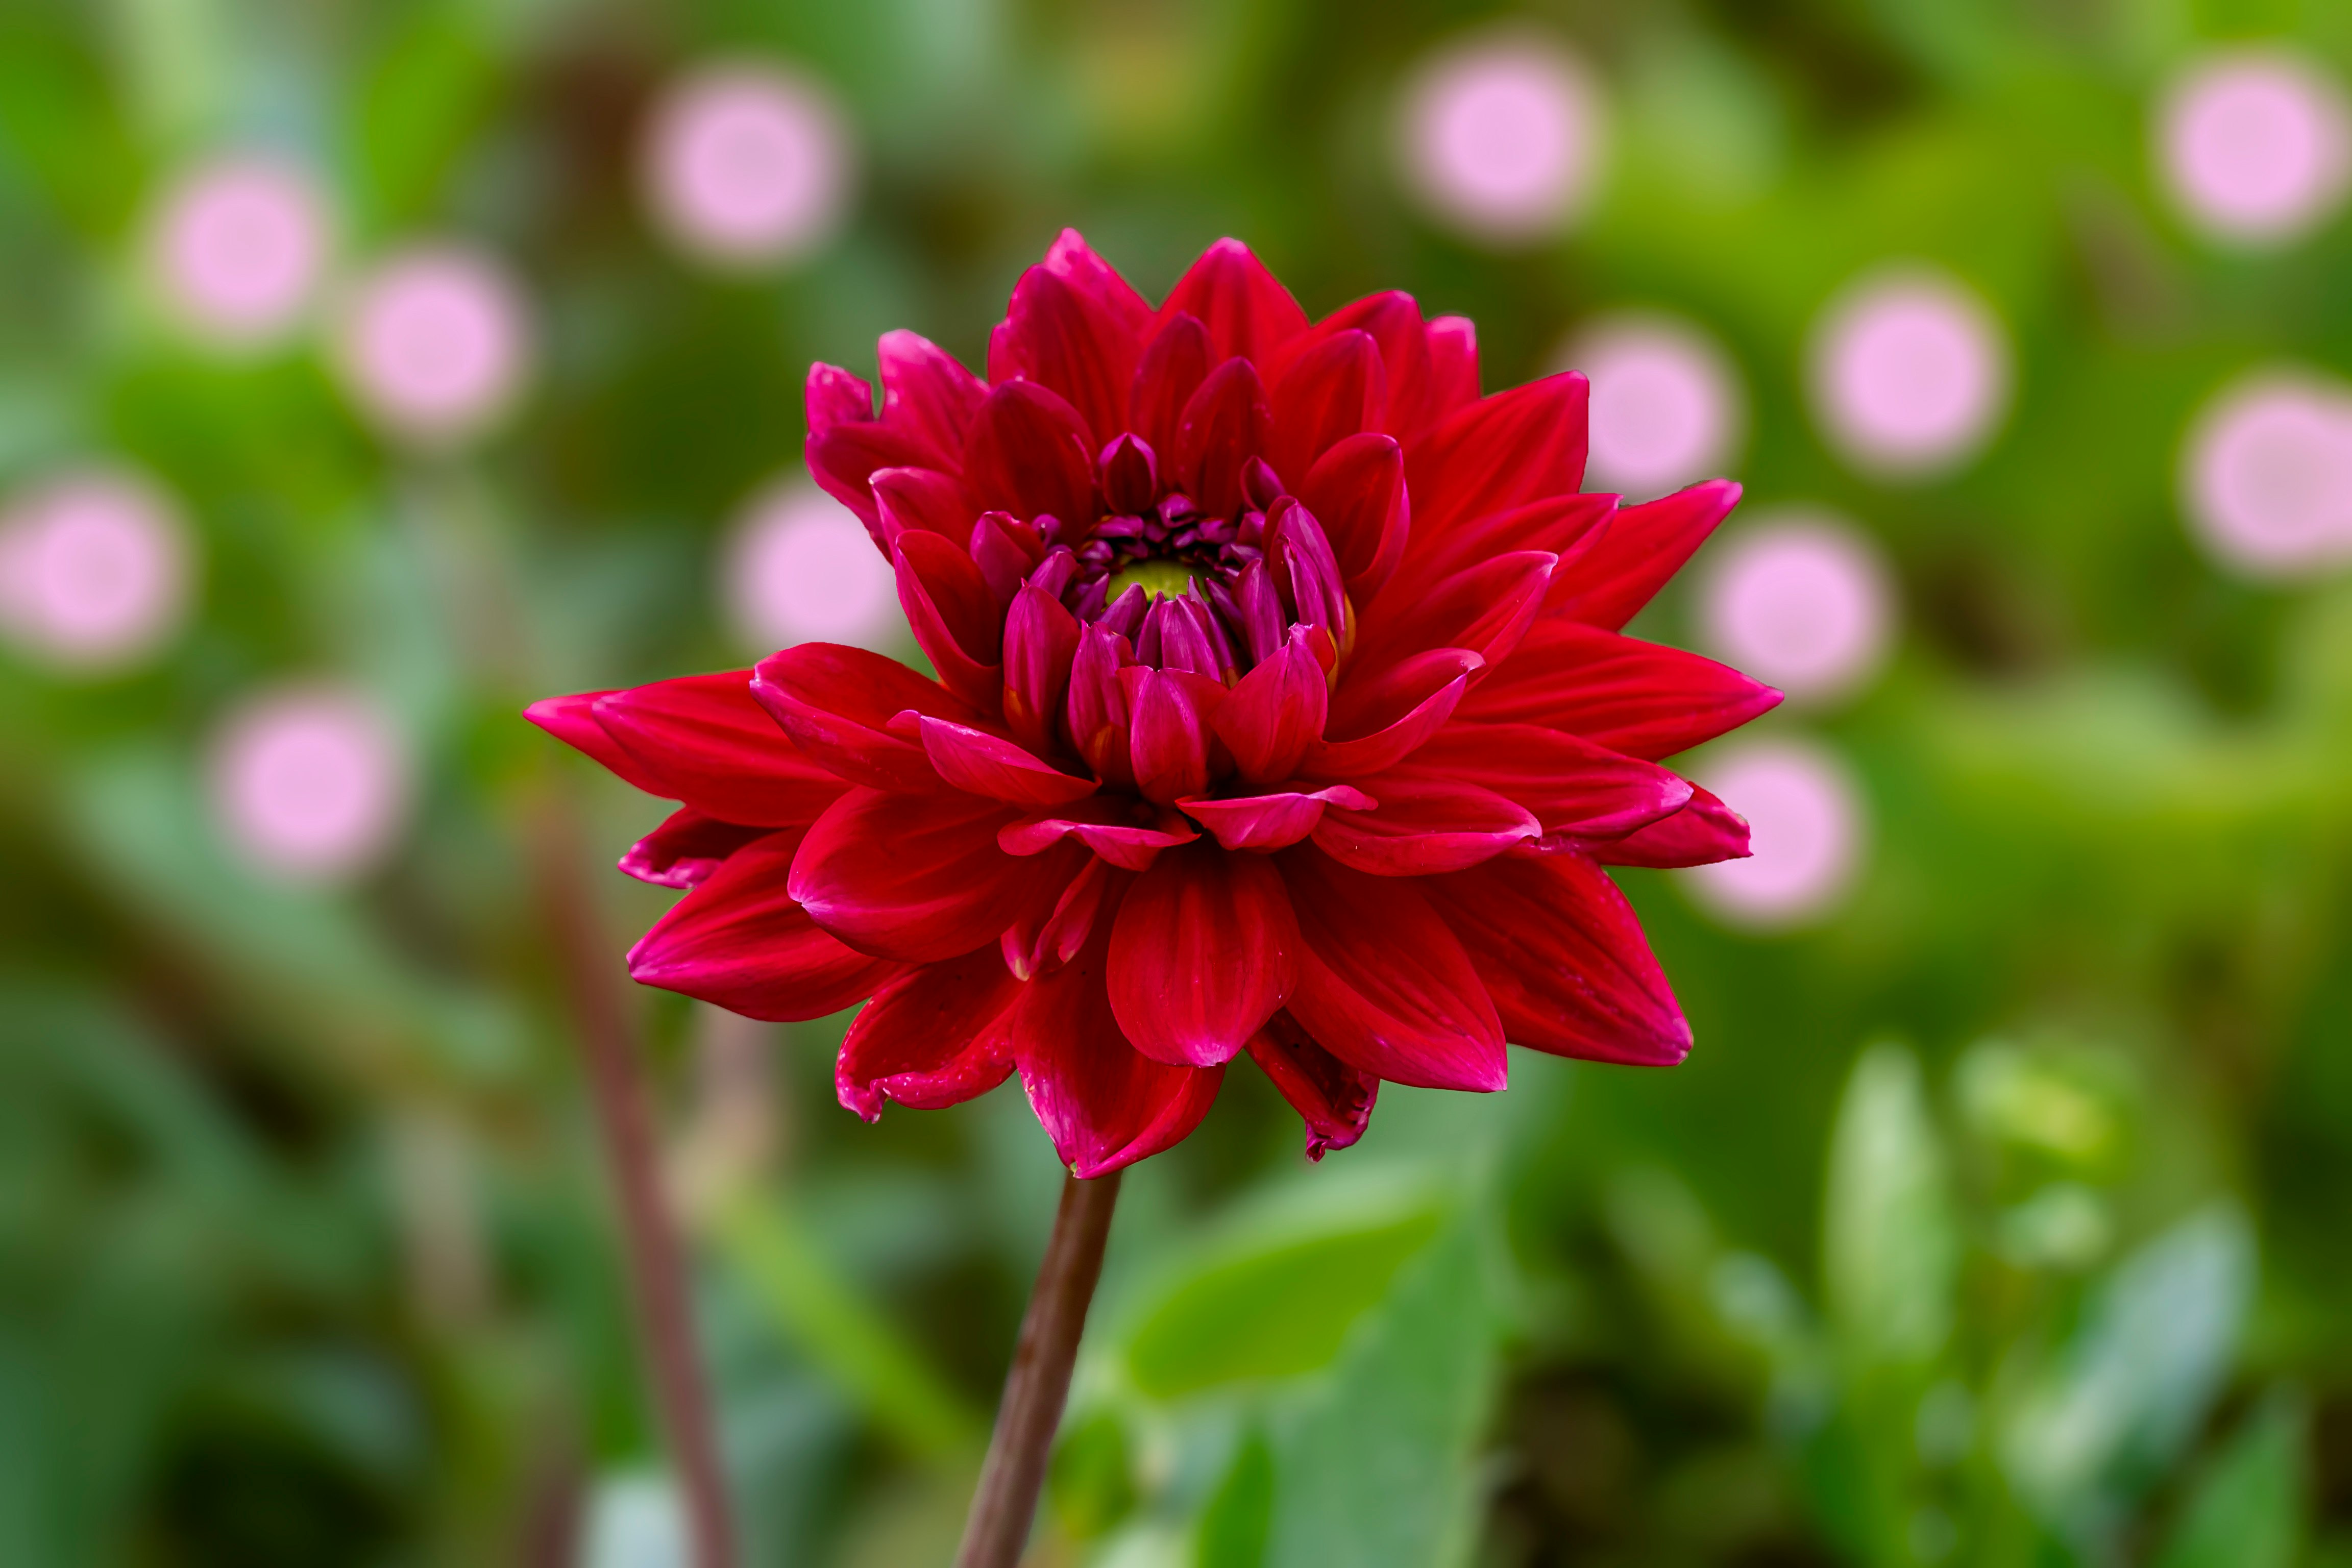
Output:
(1501, 137)
(1910, 373)
(1806, 826)
(95, 571)
(1667, 408)
(239, 248)
(2254, 146)
(309, 783)
(2266, 476)
(435, 344)
(747, 164)
(798, 566)
(1802, 600)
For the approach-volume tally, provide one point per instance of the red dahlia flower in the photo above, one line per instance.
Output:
(1281, 710)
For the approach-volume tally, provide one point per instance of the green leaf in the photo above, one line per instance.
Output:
(1890, 1244)
(430, 88)
(1240, 1515)
(2247, 1511)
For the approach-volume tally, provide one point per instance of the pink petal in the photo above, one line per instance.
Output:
(1223, 426)
(1333, 1098)
(1632, 697)
(1573, 785)
(686, 848)
(978, 763)
(1564, 958)
(953, 614)
(1247, 311)
(1031, 454)
(1269, 822)
(931, 1038)
(1700, 834)
(1425, 823)
(1122, 830)
(1274, 713)
(1383, 985)
(921, 498)
(1517, 447)
(926, 393)
(1334, 389)
(1104, 1103)
(701, 740)
(832, 395)
(1647, 545)
(1357, 491)
(921, 878)
(1380, 721)
(1205, 950)
(740, 942)
(837, 703)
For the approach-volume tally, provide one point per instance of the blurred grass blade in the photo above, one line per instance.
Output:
(2247, 1511)
(1890, 1244)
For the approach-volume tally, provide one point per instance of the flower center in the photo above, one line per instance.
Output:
(1158, 578)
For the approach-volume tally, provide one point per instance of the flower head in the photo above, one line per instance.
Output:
(1281, 711)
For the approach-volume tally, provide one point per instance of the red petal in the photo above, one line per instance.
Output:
(1333, 1098)
(1632, 697)
(1564, 959)
(1106, 824)
(1168, 733)
(1246, 310)
(1393, 322)
(1267, 822)
(1104, 1103)
(1274, 713)
(1031, 454)
(1205, 950)
(1223, 426)
(1573, 785)
(1382, 982)
(978, 763)
(1334, 389)
(1097, 711)
(921, 878)
(1357, 491)
(1079, 335)
(1425, 823)
(930, 1038)
(1382, 721)
(921, 498)
(1555, 523)
(739, 941)
(1174, 368)
(1646, 545)
(686, 848)
(1485, 608)
(926, 393)
(1700, 834)
(832, 395)
(1452, 369)
(844, 460)
(836, 702)
(701, 740)
(1030, 949)
(953, 613)
(1041, 637)
(1517, 447)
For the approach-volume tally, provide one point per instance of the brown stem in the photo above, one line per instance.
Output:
(1039, 1382)
(654, 1256)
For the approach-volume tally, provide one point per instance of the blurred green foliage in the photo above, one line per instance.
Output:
(1998, 1219)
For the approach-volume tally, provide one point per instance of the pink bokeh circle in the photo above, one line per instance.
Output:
(1806, 829)
(1910, 373)
(800, 567)
(2266, 475)
(1802, 600)
(1501, 136)
(2255, 146)
(239, 248)
(436, 344)
(1667, 408)
(94, 570)
(309, 783)
(747, 163)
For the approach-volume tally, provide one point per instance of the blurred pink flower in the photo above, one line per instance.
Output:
(1910, 373)
(748, 164)
(436, 344)
(2266, 476)
(94, 570)
(310, 783)
(239, 246)
(1805, 833)
(1502, 136)
(1666, 404)
(2255, 146)
(1802, 600)
(800, 568)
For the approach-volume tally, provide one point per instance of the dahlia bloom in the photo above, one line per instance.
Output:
(1281, 711)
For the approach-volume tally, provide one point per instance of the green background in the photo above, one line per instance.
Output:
(1999, 1217)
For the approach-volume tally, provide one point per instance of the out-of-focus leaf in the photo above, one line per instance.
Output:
(2127, 1391)
(2247, 1510)
(1233, 1527)
(1890, 1244)
(1092, 1475)
(427, 92)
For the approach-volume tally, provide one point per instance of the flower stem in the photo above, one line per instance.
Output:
(654, 1254)
(1039, 1381)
